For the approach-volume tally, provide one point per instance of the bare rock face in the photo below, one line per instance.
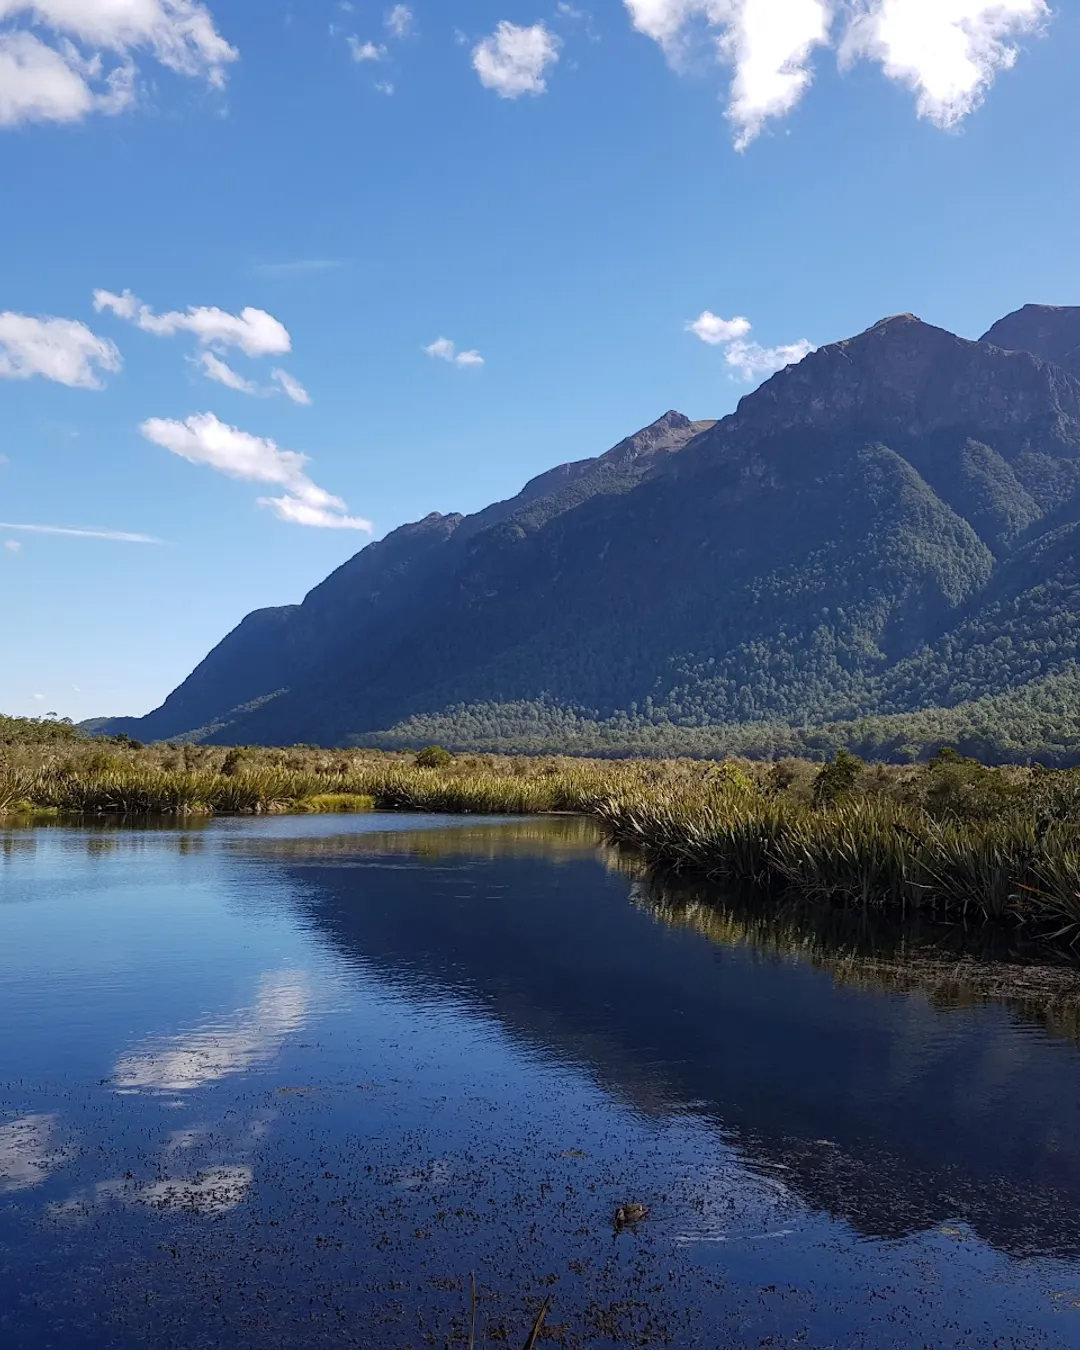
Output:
(1050, 331)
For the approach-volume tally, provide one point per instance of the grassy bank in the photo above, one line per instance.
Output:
(950, 839)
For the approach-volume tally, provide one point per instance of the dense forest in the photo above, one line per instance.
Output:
(880, 549)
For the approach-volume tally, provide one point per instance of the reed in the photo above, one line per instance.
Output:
(949, 839)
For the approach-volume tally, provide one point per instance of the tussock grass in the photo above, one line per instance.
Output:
(950, 839)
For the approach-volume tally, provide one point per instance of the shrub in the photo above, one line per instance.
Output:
(837, 781)
(232, 762)
(433, 757)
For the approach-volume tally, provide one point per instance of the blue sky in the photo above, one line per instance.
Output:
(438, 248)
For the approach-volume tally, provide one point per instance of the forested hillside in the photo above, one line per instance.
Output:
(880, 543)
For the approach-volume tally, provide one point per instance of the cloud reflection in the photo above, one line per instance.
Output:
(216, 1191)
(28, 1152)
(218, 1050)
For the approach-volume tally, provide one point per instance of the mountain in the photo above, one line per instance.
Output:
(1050, 331)
(889, 527)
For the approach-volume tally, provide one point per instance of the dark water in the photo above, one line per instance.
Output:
(286, 1082)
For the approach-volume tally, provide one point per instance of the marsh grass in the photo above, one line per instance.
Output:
(951, 838)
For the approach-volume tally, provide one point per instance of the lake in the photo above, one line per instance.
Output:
(289, 1081)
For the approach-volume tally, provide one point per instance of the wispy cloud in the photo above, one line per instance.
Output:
(514, 61)
(291, 387)
(748, 360)
(222, 373)
(12, 545)
(74, 532)
(203, 439)
(214, 368)
(62, 350)
(442, 349)
(399, 21)
(366, 51)
(81, 57)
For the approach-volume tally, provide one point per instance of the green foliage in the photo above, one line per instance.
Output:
(956, 788)
(433, 757)
(1037, 722)
(837, 781)
(37, 731)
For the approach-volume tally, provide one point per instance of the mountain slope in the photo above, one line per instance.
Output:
(371, 598)
(890, 525)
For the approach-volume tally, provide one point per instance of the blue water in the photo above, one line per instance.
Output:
(288, 1082)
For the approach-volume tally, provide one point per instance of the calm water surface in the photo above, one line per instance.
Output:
(287, 1082)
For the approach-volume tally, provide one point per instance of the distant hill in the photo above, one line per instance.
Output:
(889, 528)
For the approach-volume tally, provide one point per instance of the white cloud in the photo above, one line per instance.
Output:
(513, 60)
(62, 350)
(39, 84)
(366, 51)
(384, 87)
(13, 545)
(442, 349)
(748, 360)
(947, 51)
(252, 331)
(399, 21)
(215, 369)
(291, 387)
(202, 439)
(125, 306)
(115, 536)
(767, 42)
(91, 66)
(714, 330)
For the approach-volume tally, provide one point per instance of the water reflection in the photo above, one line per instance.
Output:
(881, 1110)
(553, 838)
(205, 1195)
(956, 968)
(288, 1088)
(212, 1052)
(29, 1152)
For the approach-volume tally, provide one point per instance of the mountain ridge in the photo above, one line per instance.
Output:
(839, 546)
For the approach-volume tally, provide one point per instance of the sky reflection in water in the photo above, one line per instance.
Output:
(287, 1082)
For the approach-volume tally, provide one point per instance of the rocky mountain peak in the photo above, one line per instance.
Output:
(1051, 332)
(909, 378)
(667, 434)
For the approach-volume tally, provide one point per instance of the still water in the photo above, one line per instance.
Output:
(288, 1082)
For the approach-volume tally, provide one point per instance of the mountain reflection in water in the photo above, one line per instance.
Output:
(888, 1107)
(285, 1082)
